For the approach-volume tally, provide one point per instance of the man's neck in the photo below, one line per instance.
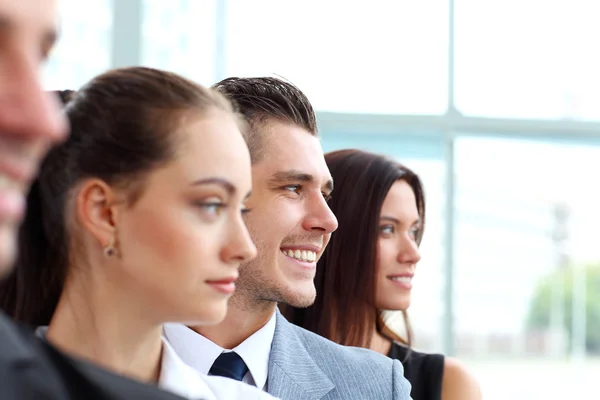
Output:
(239, 324)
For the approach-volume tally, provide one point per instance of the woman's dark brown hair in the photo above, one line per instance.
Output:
(344, 310)
(124, 124)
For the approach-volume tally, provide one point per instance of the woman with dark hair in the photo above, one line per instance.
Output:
(136, 220)
(368, 267)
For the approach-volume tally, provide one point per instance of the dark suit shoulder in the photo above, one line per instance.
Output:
(11, 341)
(91, 382)
(30, 368)
(24, 372)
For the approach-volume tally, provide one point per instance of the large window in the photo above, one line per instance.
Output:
(379, 56)
(526, 228)
(527, 59)
(179, 36)
(84, 48)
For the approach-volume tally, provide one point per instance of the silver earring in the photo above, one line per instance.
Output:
(109, 251)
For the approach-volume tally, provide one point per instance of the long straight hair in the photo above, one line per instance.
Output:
(344, 310)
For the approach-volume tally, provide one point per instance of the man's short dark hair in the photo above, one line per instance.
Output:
(262, 99)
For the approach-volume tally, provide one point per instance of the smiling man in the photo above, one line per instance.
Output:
(290, 224)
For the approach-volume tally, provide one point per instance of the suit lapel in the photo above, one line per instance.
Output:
(293, 373)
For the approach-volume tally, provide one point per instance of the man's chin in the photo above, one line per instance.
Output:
(300, 298)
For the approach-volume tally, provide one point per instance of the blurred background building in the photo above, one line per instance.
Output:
(496, 104)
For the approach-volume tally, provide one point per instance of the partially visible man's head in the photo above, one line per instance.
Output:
(30, 120)
(265, 100)
(290, 221)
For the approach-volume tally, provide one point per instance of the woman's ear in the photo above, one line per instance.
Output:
(96, 212)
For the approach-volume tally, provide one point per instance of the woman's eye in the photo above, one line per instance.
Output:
(386, 229)
(414, 232)
(213, 207)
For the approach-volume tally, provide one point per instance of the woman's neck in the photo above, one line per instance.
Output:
(380, 343)
(102, 324)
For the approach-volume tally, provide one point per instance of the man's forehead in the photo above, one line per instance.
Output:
(290, 150)
(290, 155)
(293, 142)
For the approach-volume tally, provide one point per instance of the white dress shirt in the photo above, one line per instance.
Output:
(178, 377)
(201, 353)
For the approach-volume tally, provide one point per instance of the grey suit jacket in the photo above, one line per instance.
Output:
(305, 366)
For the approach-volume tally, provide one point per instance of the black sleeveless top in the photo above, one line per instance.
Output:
(423, 371)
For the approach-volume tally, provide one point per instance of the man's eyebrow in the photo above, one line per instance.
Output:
(49, 37)
(49, 41)
(5, 23)
(291, 175)
(297, 176)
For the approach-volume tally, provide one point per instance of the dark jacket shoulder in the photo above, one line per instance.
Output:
(31, 368)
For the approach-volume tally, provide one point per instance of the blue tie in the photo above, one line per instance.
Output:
(229, 365)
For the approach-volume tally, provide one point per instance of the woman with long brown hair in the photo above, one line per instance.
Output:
(368, 267)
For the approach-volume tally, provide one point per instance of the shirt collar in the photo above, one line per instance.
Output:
(181, 379)
(200, 352)
(255, 352)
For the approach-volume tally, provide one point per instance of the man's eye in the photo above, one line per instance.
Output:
(293, 188)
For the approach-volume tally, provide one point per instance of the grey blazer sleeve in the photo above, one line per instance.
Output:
(400, 385)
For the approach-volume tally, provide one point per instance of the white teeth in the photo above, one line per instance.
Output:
(303, 255)
(403, 279)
